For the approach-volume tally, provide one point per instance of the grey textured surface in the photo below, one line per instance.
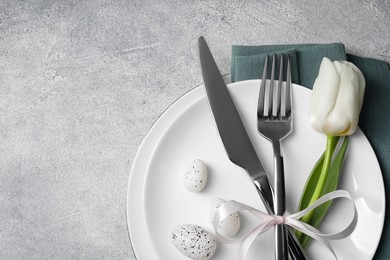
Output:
(81, 82)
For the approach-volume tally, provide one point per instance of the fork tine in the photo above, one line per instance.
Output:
(268, 100)
(260, 105)
(288, 88)
(277, 90)
(286, 94)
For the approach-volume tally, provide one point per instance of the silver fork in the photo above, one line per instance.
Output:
(274, 114)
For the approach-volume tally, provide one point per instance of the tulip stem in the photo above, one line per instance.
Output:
(331, 143)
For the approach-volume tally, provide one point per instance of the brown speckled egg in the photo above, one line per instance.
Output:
(194, 241)
(195, 176)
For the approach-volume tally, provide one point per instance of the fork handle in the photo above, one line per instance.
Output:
(281, 242)
(295, 249)
(279, 189)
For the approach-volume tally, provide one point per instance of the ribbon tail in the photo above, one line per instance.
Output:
(325, 198)
(312, 232)
(292, 220)
(248, 239)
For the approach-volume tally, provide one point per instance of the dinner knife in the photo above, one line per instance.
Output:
(236, 141)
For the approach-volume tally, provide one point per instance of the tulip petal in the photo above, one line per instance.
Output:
(362, 82)
(325, 91)
(345, 114)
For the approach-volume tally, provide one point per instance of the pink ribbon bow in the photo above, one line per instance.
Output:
(268, 221)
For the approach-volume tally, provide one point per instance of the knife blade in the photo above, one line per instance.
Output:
(235, 139)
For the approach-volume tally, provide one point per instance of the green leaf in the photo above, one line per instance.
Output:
(313, 179)
(309, 189)
(311, 184)
(330, 185)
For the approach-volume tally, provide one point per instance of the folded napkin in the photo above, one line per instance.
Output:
(247, 63)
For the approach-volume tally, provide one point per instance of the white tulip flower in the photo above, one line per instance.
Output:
(337, 98)
(335, 106)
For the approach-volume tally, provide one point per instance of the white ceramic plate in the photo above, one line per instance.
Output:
(157, 200)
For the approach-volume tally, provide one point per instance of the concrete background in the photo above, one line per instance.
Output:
(81, 82)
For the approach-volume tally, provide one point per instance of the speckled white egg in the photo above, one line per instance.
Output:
(195, 176)
(194, 241)
(230, 225)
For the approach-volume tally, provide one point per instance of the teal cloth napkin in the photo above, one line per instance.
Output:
(247, 63)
